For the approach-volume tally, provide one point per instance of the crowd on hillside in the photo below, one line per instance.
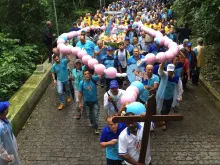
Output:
(168, 80)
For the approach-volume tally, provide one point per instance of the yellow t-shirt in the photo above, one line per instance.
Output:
(95, 23)
(167, 29)
(157, 27)
(87, 20)
(148, 26)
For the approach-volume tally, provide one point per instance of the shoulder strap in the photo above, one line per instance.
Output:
(82, 85)
(95, 82)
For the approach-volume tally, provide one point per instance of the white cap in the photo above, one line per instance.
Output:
(170, 67)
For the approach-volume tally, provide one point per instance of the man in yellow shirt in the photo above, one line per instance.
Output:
(148, 24)
(167, 28)
(199, 51)
(157, 25)
(87, 19)
(95, 21)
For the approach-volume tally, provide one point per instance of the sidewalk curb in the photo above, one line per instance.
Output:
(26, 98)
(211, 91)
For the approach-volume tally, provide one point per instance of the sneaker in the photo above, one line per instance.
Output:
(90, 125)
(69, 99)
(61, 107)
(97, 132)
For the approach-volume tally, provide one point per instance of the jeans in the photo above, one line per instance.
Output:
(60, 86)
(113, 162)
(93, 108)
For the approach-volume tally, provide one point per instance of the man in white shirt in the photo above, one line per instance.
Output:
(130, 143)
(122, 55)
(143, 43)
(112, 98)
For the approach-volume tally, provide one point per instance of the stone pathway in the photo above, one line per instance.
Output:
(52, 137)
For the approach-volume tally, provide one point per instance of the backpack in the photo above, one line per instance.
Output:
(126, 55)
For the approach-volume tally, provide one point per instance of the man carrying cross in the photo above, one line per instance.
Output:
(139, 133)
(130, 143)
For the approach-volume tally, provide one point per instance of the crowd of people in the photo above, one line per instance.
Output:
(121, 140)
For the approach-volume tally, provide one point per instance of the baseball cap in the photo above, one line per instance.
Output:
(110, 48)
(113, 84)
(185, 40)
(78, 61)
(3, 106)
(188, 44)
(127, 38)
(170, 67)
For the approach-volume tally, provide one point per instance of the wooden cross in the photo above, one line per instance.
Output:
(147, 118)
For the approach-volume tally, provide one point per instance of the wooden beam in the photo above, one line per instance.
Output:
(125, 119)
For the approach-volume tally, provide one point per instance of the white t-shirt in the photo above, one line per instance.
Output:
(130, 144)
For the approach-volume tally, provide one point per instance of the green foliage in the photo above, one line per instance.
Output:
(203, 17)
(17, 63)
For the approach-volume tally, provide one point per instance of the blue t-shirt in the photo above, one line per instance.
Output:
(61, 70)
(89, 89)
(150, 82)
(132, 60)
(89, 47)
(130, 49)
(102, 54)
(153, 49)
(77, 76)
(111, 61)
(172, 36)
(108, 135)
(74, 29)
(171, 84)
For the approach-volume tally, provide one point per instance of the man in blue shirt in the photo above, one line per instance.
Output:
(111, 61)
(128, 46)
(136, 58)
(156, 48)
(150, 81)
(74, 28)
(100, 51)
(60, 68)
(87, 45)
(88, 91)
(109, 140)
(170, 90)
(8, 144)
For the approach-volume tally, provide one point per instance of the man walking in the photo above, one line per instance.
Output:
(130, 143)
(112, 98)
(60, 69)
(8, 144)
(109, 140)
(88, 91)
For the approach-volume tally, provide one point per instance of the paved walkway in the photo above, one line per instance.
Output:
(52, 137)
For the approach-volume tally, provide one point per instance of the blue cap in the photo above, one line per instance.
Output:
(110, 48)
(188, 44)
(113, 84)
(127, 38)
(3, 106)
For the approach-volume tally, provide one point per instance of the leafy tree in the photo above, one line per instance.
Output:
(17, 63)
